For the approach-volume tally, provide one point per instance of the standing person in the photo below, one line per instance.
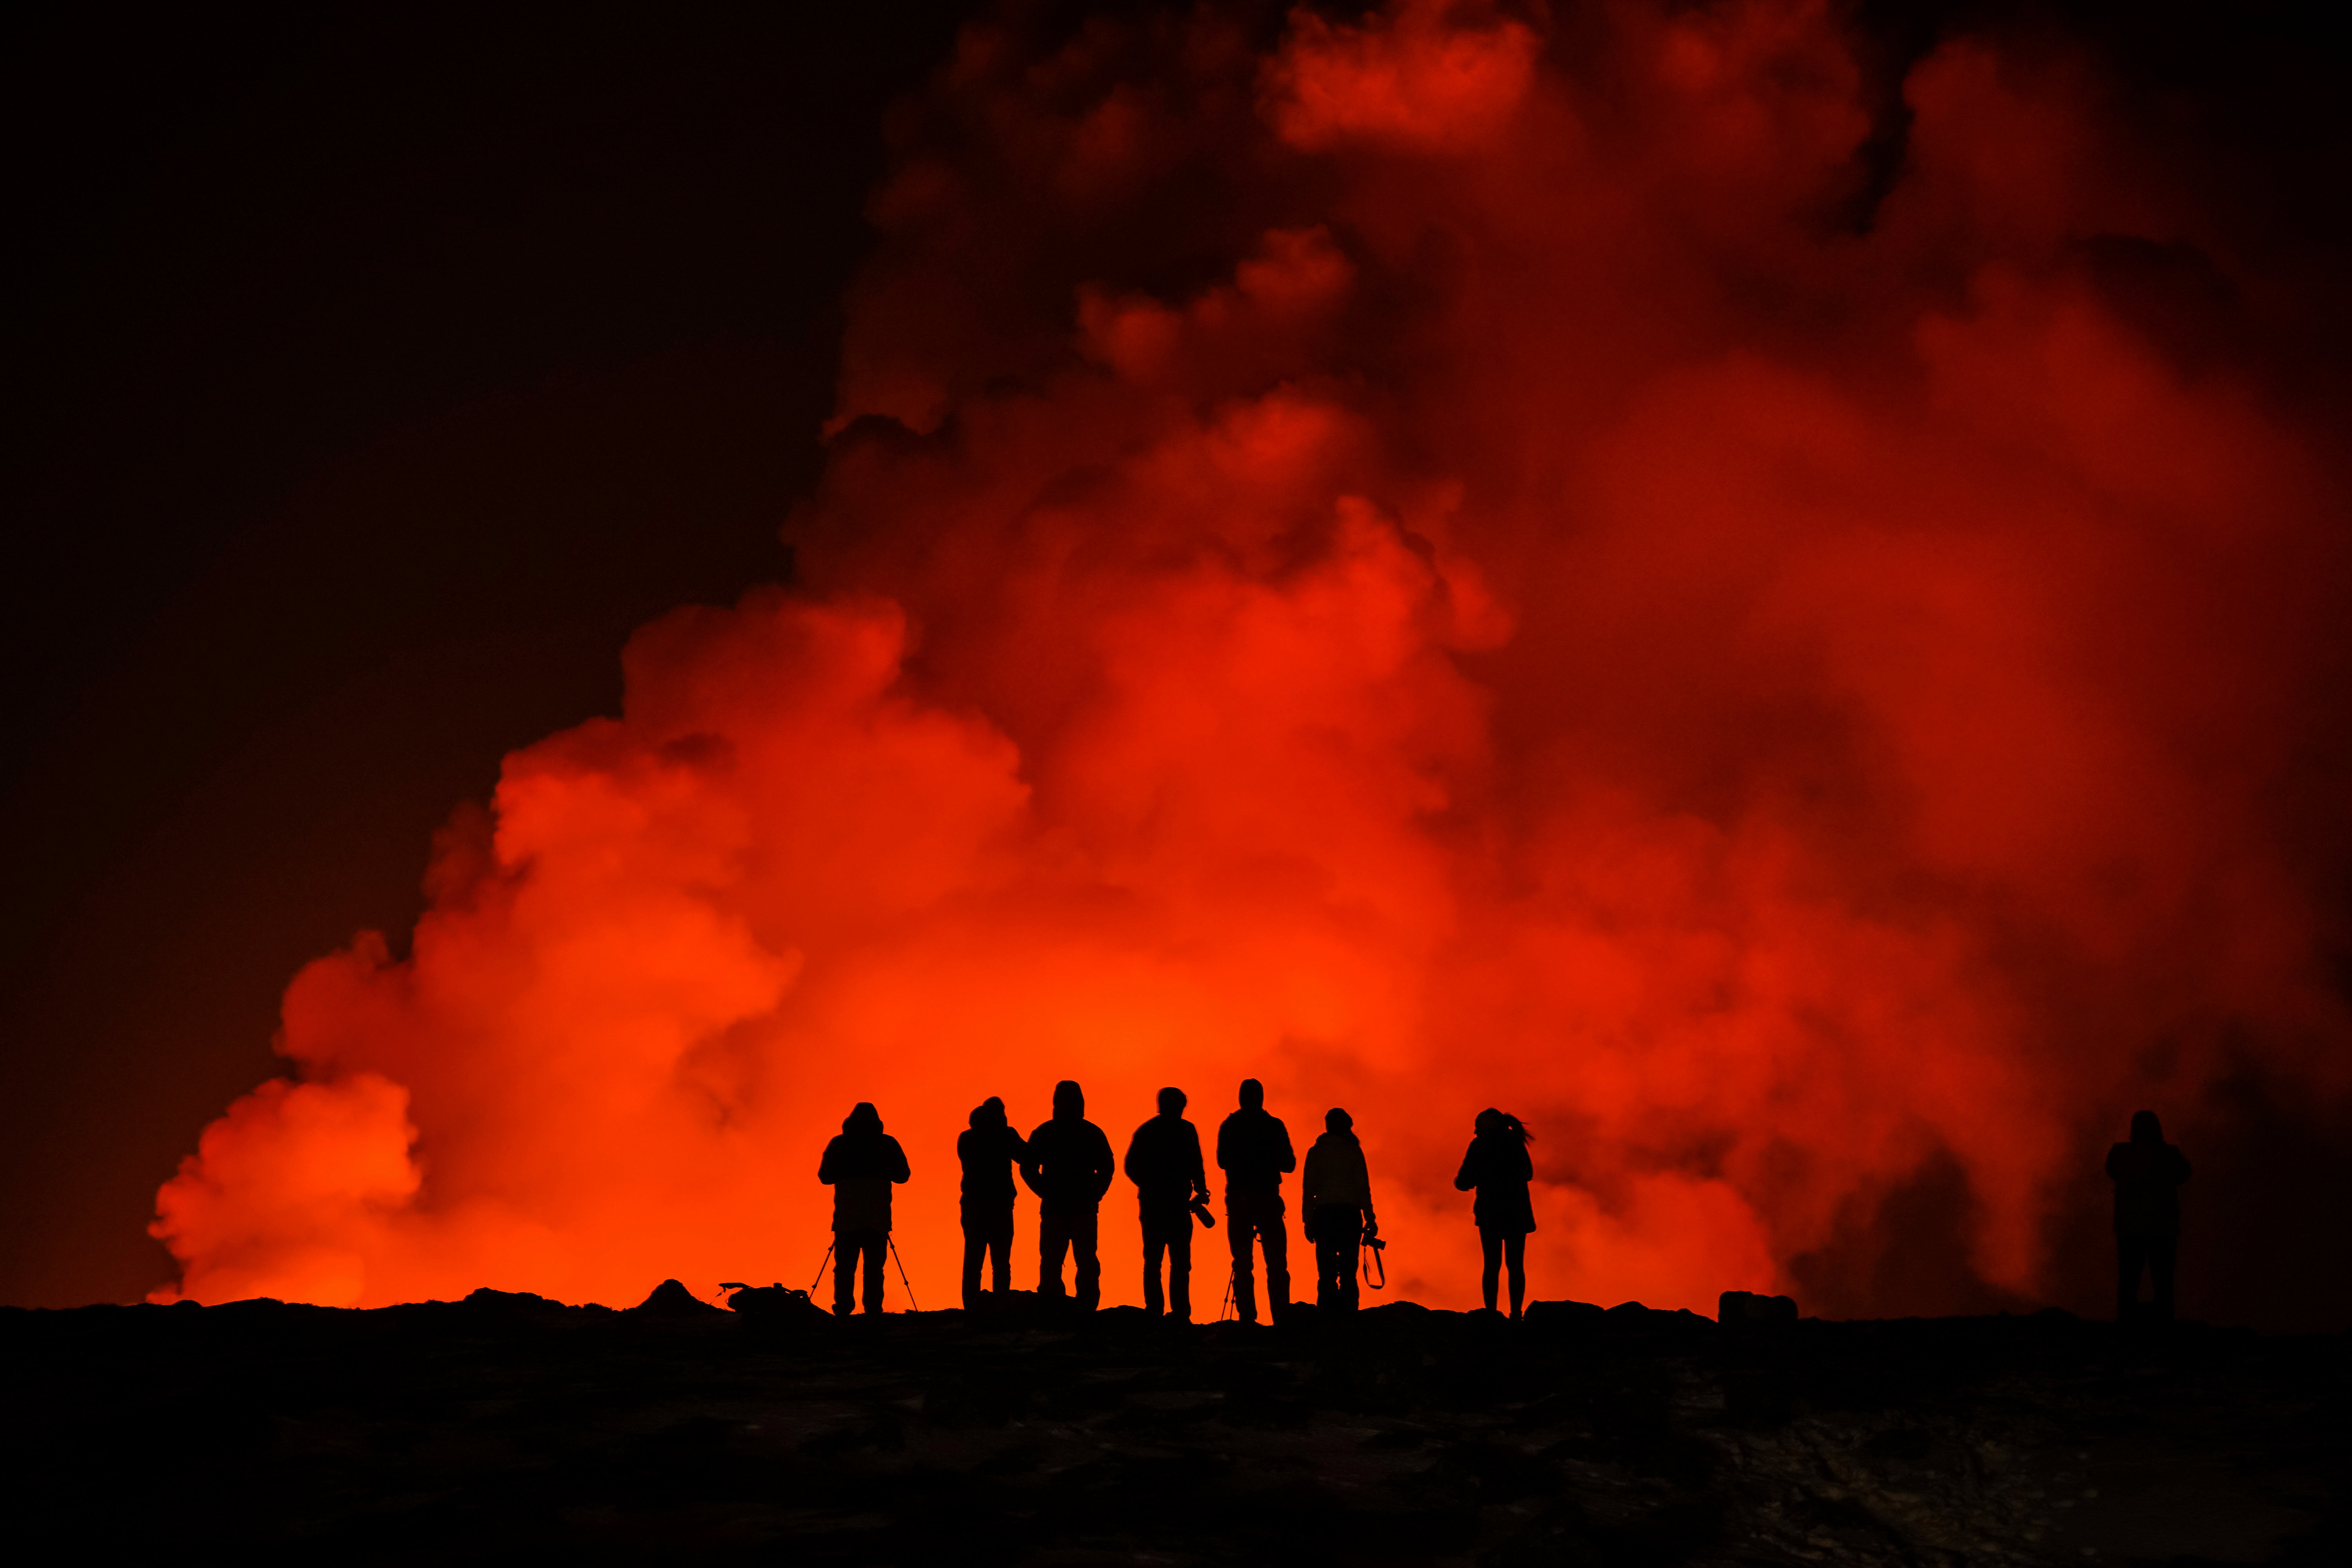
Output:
(1163, 1160)
(861, 1166)
(989, 1150)
(1254, 1151)
(1069, 1168)
(1498, 1166)
(2147, 1172)
(1335, 1192)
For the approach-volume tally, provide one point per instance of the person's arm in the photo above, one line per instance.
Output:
(2114, 1162)
(1289, 1160)
(1031, 1162)
(1524, 1162)
(824, 1166)
(2180, 1166)
(1311, 1183)
(1467, 1177)
(1223, 1127)
(899, 1171)
(1016, 1147)
(1200, 1172)
(1105, 1167)
(1134, 1147)
(1365, 1166)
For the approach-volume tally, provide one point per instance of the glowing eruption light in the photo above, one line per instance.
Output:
(1447, 559)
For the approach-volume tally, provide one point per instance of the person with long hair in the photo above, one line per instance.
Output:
(1497, 1168)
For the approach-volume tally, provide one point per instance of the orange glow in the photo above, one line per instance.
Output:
(1554, 619)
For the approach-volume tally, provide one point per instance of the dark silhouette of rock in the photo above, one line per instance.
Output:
(1746, 1310)
(1034, 1434)
(672, 1300)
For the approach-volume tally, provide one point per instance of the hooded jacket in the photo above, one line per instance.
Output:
(860, 1166)
(1254, 1151)
(989, 1150)
(1335, 1175)
(1163, 1160)
(1070, 1166)
(2147, 1172)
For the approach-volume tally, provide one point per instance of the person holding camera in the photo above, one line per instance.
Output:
(1336, 1194)
(1163, 1160)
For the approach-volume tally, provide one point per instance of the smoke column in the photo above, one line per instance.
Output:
(1773, 613)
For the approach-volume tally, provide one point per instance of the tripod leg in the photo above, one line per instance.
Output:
(820, 1269)
(902, 1272)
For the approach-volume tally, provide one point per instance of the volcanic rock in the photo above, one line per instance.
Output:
(1030, 1434)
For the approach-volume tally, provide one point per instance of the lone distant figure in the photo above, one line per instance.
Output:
(1069, 1168)
(1498, 1168)
(1335, 1192)
(2147, 1172)
(1254, 1151)
(861, 1166)
(989, 1150)
(1163, 1160)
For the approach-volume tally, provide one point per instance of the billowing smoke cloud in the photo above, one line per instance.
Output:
(1449, 559)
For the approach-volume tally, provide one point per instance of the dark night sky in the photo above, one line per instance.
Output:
(385, 371)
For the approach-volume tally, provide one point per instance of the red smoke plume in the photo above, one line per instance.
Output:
(1463, 558)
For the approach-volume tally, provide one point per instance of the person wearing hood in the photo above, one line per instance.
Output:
(1069, 1168)
(2147, 1172)
(989, 1150)
(1497, 1168)
(861, 1166)
(1254, 1151)
(1163, 1160)
(1336, 1192)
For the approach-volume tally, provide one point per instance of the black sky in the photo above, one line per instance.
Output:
(381, 371)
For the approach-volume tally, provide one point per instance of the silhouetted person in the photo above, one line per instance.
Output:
(989, 1150)
(1163, 1160)
(1336, 1192)
(1254, 1151)
(1069, 1168)
(860, 1166)
(1498, 1168)
(2147, 1172)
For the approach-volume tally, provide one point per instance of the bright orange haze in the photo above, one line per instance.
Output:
(1444, 565)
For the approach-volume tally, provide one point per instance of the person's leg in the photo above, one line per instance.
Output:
(1490, 1250)
(975, 1243)
(999, 1253)
(2162, 1250)
(845, 1273)
(1179, 1269)
(1239, 1228)
(1090, 1259)
(1052, 1240)
(2130, 1255)
(1153, 1246)
(877, 1258)
(1515, 1254)
(1278, 1262)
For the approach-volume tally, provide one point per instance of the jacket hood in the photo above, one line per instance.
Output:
(862, 1118)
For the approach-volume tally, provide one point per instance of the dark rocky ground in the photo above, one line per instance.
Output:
(504, 1425)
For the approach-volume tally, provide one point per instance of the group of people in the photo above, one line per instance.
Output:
(1068, 1162)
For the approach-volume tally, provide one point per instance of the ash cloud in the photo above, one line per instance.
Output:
(1428, 559)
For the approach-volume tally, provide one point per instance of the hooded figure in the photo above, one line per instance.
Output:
(861, 1166)
(1163, 1160)
(1069, 1168)
(1335, 1191)
(1254, 1151)
(989, 1150)
(1497, 1166)
(2147, 1172)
